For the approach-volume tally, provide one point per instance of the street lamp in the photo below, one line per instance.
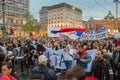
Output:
(116, 20)
(3, 27)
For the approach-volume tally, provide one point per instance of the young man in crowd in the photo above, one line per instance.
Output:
(77, 73)
(7, 72)
(42, 71)
(101, 67)
(116, 57)
(2, 57)
(6, 66)
(83, 58)
(110, 59)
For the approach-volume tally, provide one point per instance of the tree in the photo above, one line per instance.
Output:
(29, 25)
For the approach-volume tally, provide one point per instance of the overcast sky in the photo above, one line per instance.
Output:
(90, 8)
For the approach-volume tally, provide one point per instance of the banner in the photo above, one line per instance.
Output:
(91, 53)
(117, 35)
(95, 35)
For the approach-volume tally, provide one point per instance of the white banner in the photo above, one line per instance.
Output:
(117, 35)
(91, 53)
(95, 35)
(49, 29)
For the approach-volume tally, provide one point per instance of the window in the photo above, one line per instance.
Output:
(0, 6)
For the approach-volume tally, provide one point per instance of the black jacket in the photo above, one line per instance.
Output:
(49, 74)
(112, 63)
(102, 70)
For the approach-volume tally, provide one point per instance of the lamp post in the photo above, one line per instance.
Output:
(3, 27)
(116, 20)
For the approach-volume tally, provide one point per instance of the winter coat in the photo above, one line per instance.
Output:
(49, 74)
(102, 70)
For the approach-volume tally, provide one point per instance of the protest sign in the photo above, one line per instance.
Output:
(91, 53)
(95, 35)
(117, 35)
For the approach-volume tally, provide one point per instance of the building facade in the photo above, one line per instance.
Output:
(60, 15)
(109, 21)
(14, 11)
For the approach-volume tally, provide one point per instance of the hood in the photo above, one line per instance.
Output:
(42, 69)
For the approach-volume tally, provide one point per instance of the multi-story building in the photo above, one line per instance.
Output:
(14, 11)
(108, 21)
(61, 15)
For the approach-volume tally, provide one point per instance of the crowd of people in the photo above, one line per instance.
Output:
(44, 56)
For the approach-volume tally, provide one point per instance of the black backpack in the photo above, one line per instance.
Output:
(40, 76)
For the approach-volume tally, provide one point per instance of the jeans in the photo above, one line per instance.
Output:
(68, 63)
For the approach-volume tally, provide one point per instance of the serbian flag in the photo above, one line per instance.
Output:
(78, 31)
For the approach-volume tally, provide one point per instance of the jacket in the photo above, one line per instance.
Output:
(86, 60)
(102, 70)
(7, 77)
(49, 74)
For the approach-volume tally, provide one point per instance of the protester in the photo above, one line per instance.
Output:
(68, 58)
(83, 58)
(42, 71)
(116, 57)
(101, 67)
(110, 59)
(7, 72)
(75, 73)
(2, 58)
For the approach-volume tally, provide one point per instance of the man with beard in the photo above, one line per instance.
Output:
(101, 67)
(110, 59)
(116, 57)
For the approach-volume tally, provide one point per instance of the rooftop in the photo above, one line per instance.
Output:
(109, 16)
(62, 5)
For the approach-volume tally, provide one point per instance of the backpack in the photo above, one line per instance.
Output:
(40, 76)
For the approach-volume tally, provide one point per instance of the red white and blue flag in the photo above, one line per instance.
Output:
(76, 31)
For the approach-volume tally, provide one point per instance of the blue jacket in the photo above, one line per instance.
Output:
(86, 59)
(49, 74)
